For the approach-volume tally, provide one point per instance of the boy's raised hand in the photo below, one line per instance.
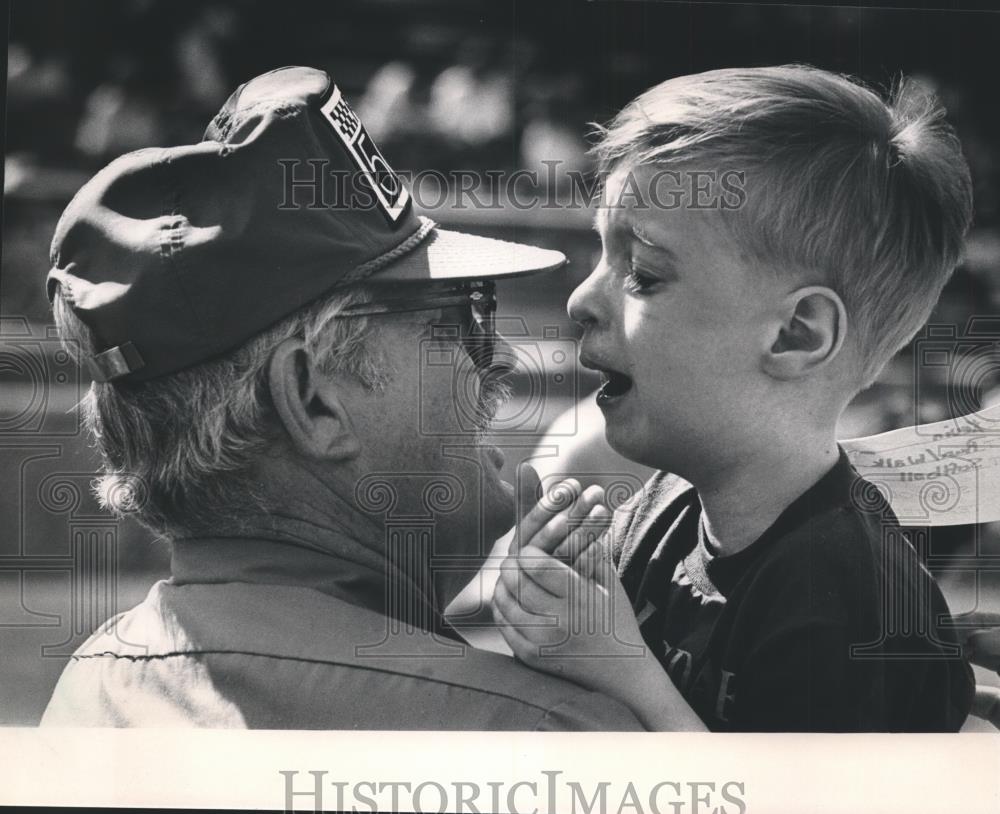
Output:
(563, 521)
(560, 622)
(562, 609)
(558, 599)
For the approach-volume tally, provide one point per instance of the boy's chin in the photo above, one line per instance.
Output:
(628, 444)
(640, 448)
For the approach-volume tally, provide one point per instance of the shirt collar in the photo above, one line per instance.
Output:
(278, 550)
(839, 487)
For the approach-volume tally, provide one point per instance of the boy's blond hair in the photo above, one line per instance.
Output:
(872, 198)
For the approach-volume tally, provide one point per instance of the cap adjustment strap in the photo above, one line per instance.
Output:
(114, 363)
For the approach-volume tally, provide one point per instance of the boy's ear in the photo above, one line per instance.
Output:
(308, 405)
(813, 324)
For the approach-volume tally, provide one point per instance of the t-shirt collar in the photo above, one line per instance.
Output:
(835, 489)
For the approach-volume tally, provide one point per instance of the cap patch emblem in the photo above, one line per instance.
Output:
(389, 191)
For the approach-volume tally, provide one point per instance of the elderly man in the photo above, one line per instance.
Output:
(264, 398)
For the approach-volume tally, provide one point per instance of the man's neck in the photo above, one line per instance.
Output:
(317, 510)
(740, 503)
(296, 495)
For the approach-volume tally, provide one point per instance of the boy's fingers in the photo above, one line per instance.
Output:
(540, 607)
(513, 610)
(561, 496)
(579, 514)
(559, 528)
(523, 648)
(586, 534)
(587, 557)
(529, 490)
(549, 506)
(510, 575)
(520, 590)
(518, 643)
(545, 571)
(595, 562)
(549, 537)
(528, 493)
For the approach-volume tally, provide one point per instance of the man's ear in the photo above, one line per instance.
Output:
(811, 331)
(307, 402)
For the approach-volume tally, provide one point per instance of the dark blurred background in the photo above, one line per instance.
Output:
(440, 84)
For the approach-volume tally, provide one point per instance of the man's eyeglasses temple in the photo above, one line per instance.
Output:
(482, 297)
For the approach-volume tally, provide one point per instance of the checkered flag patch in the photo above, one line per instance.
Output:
(343, 117)
(391, 195)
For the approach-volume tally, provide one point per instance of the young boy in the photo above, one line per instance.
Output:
(771, 237)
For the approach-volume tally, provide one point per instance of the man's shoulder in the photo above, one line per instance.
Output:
(139, 669)
(296, 657)
(302, 624)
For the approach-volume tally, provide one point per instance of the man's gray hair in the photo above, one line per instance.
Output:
(177, 452)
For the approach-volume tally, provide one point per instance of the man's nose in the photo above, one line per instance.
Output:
(584, 304)
(504, 357)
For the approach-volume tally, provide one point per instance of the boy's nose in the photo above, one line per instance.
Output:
(584, 303)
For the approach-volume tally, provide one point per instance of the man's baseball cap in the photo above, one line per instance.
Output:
(174, 256)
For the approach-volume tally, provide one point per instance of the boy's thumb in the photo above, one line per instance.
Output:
(529, 487)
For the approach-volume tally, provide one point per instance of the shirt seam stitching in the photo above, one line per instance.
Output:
(194, 653)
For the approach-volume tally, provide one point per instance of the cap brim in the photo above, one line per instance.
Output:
(448, 255)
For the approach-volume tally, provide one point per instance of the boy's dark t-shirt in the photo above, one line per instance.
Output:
(828, 622)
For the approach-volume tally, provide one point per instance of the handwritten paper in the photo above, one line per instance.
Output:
(941, 474)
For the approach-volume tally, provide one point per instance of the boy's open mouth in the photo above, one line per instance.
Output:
(614, 385)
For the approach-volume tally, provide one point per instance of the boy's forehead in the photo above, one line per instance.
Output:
(628, 208)
(627, 223)
(631, 200)
(655, 205)
(611, 197)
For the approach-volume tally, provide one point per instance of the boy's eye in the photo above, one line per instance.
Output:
(639, 281)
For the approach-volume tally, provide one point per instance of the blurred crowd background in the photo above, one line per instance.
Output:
(465, 85)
